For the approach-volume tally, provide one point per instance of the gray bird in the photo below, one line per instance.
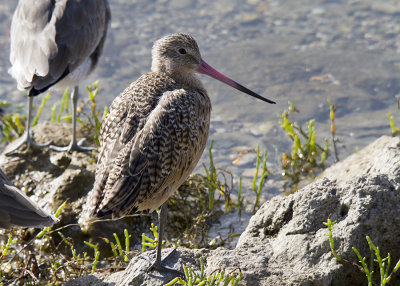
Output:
(16, 209)
(56, 43)
(154, 134)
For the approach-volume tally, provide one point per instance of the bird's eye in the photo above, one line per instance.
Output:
(182, 51)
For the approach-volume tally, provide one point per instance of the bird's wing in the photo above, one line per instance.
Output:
(49, 38)
(125, 118)
(159, 156)
(17, 209)
(128, 113)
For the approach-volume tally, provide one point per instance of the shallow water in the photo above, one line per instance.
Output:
(300, 51)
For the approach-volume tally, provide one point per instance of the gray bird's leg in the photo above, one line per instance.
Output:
(157, 264)
(27, 136)
(74, 145)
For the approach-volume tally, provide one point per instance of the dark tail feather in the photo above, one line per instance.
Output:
(35, 92)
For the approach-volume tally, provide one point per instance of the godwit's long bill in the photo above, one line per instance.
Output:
(205, 68)
(154, 134)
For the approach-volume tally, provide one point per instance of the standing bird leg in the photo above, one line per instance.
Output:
(29, 140)
(154, 135)
(56, 44)
(27, 137)
(73, 145)
(157, 264)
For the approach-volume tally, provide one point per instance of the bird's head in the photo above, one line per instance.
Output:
(179, 56)
(175, 54)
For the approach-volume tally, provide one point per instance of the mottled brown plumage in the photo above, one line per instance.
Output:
(154, 133)
(151, 140)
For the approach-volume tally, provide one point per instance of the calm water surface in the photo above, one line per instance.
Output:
(301, 51)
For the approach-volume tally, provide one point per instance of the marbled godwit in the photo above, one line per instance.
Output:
(19, 210)
(154, 134)
(58, 43)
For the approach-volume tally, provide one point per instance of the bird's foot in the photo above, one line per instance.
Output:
(73, 146)
(26, 139)
(157, 265)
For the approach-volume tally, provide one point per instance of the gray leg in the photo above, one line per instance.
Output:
(27, 136)
(74, 145)
(162, 219)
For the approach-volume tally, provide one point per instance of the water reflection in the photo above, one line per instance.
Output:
(300, 51)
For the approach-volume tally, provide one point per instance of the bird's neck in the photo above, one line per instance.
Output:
(187, 79)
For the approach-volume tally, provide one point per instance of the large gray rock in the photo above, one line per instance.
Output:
(361, 193)
(286, 242)
(135, 274)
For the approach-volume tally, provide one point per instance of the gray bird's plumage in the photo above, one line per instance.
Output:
(56, 43)
(16, 209)
(50, 39)
(151, 139)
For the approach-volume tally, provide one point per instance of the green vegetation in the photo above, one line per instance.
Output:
(54, 257)
(13, 124)
(395, 130)
(307, 157)
(218, 277)
(57, 257)
(263, 176)
(332, 110)
(258, 177)
(217, 180)
(375, 259)
(384, 264)
(150, 242)
(93, 118)
(329, 224)
(63, 109)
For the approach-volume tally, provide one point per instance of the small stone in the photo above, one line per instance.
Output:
(249, 173)
(181, 4)
(60, 159)
(253, 2)
(318, 11)
(388, 7)
(249, 17)
(262, 128)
